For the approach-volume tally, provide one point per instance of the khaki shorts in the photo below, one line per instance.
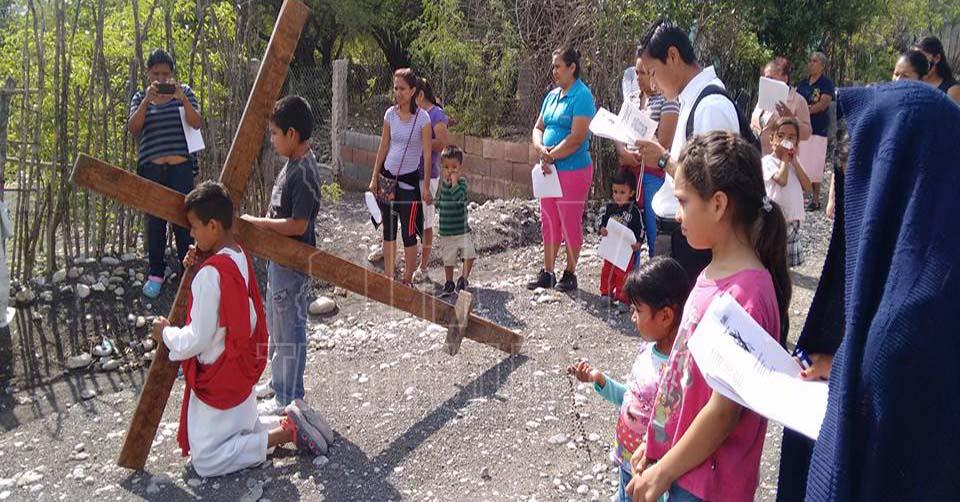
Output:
(453, 247)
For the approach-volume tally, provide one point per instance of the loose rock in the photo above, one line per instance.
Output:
(323, 306)
(26, 296)
(104, 349)
(110, 365)
(80, 361)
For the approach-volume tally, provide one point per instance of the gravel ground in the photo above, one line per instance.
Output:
(412, 422)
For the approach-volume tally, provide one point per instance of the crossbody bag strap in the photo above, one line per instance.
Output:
(412, 128)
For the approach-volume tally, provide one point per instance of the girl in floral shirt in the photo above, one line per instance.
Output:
(657, 291)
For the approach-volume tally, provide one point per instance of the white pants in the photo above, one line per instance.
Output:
(225, 441)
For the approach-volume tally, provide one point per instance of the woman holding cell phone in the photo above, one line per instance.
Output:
(163, 154)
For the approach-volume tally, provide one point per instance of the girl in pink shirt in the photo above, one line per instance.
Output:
(701, 445)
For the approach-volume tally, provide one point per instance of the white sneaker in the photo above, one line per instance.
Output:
(375, 256)
(420, 276)
(271, 407)
(264, 390)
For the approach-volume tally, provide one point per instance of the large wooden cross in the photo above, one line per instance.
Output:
(157, 200)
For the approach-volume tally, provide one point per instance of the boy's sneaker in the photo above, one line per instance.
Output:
(270, 407)
(448, 289)
(375, 256)
(315, 420)
(264, 390)
(544, 280)
(568, 282)
(305, 436)
(462, 284)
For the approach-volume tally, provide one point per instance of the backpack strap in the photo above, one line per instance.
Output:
(745, 131)
(709, 90)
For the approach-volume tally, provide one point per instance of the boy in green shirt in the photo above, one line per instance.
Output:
(454, 236)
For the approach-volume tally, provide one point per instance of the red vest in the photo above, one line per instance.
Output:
(230, 379)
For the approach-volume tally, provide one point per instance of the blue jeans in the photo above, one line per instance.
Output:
(177, 177)
(651, 185)
(625, 475)
(674, 494)
(677, 494)
(287, 291)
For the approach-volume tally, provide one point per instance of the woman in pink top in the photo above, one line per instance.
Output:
(701, 445)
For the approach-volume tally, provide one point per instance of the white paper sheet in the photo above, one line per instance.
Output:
(632, 124)
(771, 92)
(545, 186)
(638, 121)
(194, 138)
(373, 207)
(616, 246)
(812, 155)
(744, 363)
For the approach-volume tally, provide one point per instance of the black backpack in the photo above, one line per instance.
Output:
(745, 131)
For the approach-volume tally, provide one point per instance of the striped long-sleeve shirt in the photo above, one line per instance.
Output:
(452, 207)
(162, 133)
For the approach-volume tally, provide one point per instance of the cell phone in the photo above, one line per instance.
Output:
(167, 88)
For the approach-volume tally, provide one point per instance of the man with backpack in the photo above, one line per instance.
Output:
(668, 56)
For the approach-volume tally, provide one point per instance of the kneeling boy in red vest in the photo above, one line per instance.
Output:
(223, 351)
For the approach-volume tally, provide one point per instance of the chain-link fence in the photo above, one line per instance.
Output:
(314, 83)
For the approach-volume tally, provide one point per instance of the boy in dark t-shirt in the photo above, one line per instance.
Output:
(294, 204)
(625, 211)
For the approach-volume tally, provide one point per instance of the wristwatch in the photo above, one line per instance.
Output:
(662, 162)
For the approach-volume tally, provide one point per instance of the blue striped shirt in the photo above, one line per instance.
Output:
(162, 133)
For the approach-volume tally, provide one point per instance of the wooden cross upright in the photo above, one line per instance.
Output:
(157, 200)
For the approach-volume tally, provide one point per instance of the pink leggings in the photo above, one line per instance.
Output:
(561, 219)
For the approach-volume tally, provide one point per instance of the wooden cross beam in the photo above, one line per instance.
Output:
(162, 202)
(157, 200)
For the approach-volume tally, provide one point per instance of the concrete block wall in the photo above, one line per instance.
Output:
(495, 169)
